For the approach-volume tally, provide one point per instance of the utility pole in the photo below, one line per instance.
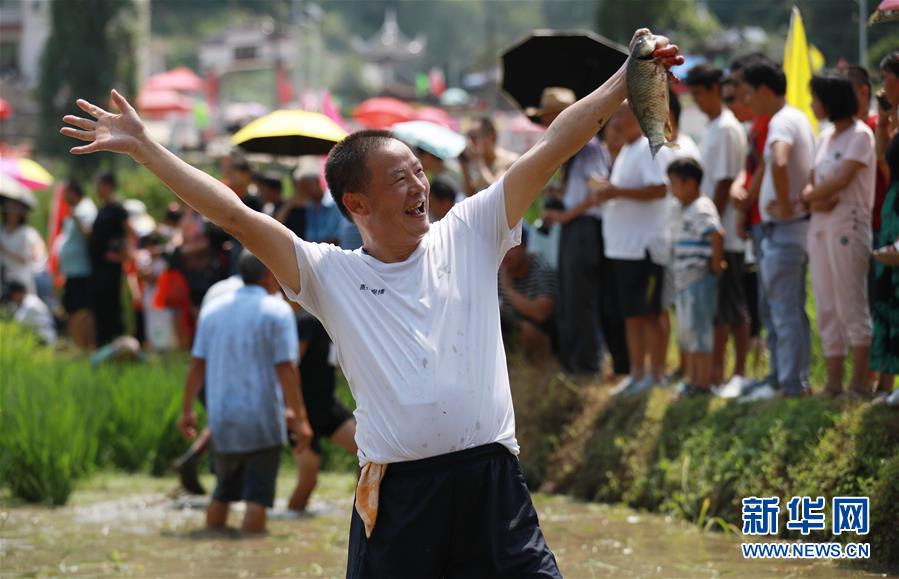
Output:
(863, 33)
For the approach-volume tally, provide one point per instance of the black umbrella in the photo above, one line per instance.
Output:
(580, 61)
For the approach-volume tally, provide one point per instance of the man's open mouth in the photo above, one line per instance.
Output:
(416, 210)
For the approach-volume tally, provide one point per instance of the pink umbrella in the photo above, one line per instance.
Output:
(437, 116)
(180, 79)
(887, 11)
(161, 102)
(27, 172)
(382, 113)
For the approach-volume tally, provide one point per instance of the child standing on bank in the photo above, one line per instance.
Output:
(698, 259)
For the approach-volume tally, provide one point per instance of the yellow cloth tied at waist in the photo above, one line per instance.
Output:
(368, 491)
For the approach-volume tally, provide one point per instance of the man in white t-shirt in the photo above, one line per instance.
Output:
(637, 244)
(723, 154)
(414, 315)
(788, 162)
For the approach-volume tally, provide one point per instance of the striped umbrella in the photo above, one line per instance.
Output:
(26, 172)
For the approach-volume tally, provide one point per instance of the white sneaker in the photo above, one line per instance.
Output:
(893, 399)
(763, 392)
(624, 385)
(642, 385)
(733, 388)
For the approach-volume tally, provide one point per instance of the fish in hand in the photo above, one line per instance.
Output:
(647, 90)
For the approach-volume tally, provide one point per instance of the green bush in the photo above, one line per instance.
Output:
(697, 458)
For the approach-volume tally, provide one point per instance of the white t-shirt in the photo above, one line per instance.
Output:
(856, 200)
(723, 155)
(791, 126)
(26, 244)
(630, 227)
(419, 341)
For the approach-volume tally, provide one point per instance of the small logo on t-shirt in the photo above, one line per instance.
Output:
(375, 292)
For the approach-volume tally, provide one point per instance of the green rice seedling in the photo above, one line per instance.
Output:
(49, 439)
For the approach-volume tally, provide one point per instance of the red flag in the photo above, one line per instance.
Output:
(59, 210)
(285, 88)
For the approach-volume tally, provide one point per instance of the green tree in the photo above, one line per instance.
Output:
(89, 51)
(687, 19)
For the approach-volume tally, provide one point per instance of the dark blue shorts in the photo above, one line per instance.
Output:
(246, 476)
(466, 514)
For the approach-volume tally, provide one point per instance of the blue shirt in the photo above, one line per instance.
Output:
(242, 337)
(74, 259)
(322, 223)
(591, 161)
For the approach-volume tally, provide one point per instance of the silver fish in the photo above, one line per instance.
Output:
(647, 92)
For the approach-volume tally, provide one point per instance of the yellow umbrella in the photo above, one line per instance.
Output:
(290, 133)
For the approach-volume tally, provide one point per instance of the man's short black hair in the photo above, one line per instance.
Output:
(890, 63)
(859, 76)
(758, 73)
(443, 189)
(686, 168)
(74, 185)
(674, 106)
(272, 180)
(347, 166)
(704, 75)
(252, 270)
(738, 63)
(12, 288)
(837, 95)
(108, 178)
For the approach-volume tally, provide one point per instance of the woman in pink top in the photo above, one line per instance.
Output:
(841, 198)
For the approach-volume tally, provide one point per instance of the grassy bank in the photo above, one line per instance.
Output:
(61, 419)
(697, 458)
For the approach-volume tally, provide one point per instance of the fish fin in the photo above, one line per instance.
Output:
(669, 130)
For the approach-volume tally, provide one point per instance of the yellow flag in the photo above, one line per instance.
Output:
(816, 58)
(798, 68)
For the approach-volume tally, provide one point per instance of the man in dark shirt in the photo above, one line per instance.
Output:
(527, 293)
(108, 249)
(328, 417)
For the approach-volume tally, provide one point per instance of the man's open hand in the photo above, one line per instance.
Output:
(117, 133)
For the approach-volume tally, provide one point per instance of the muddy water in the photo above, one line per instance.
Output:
(130, 526)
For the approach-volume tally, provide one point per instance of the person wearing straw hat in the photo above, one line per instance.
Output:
(414, 315)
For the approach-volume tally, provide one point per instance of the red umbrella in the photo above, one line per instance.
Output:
(5, 109)
(180, 79)
(383, 112)
(437, 116)
(160, 102)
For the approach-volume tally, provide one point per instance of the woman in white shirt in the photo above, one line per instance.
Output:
(22, 251)
(841, 197)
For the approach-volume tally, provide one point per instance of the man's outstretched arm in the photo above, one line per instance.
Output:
(567, 135)
(124, 133)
